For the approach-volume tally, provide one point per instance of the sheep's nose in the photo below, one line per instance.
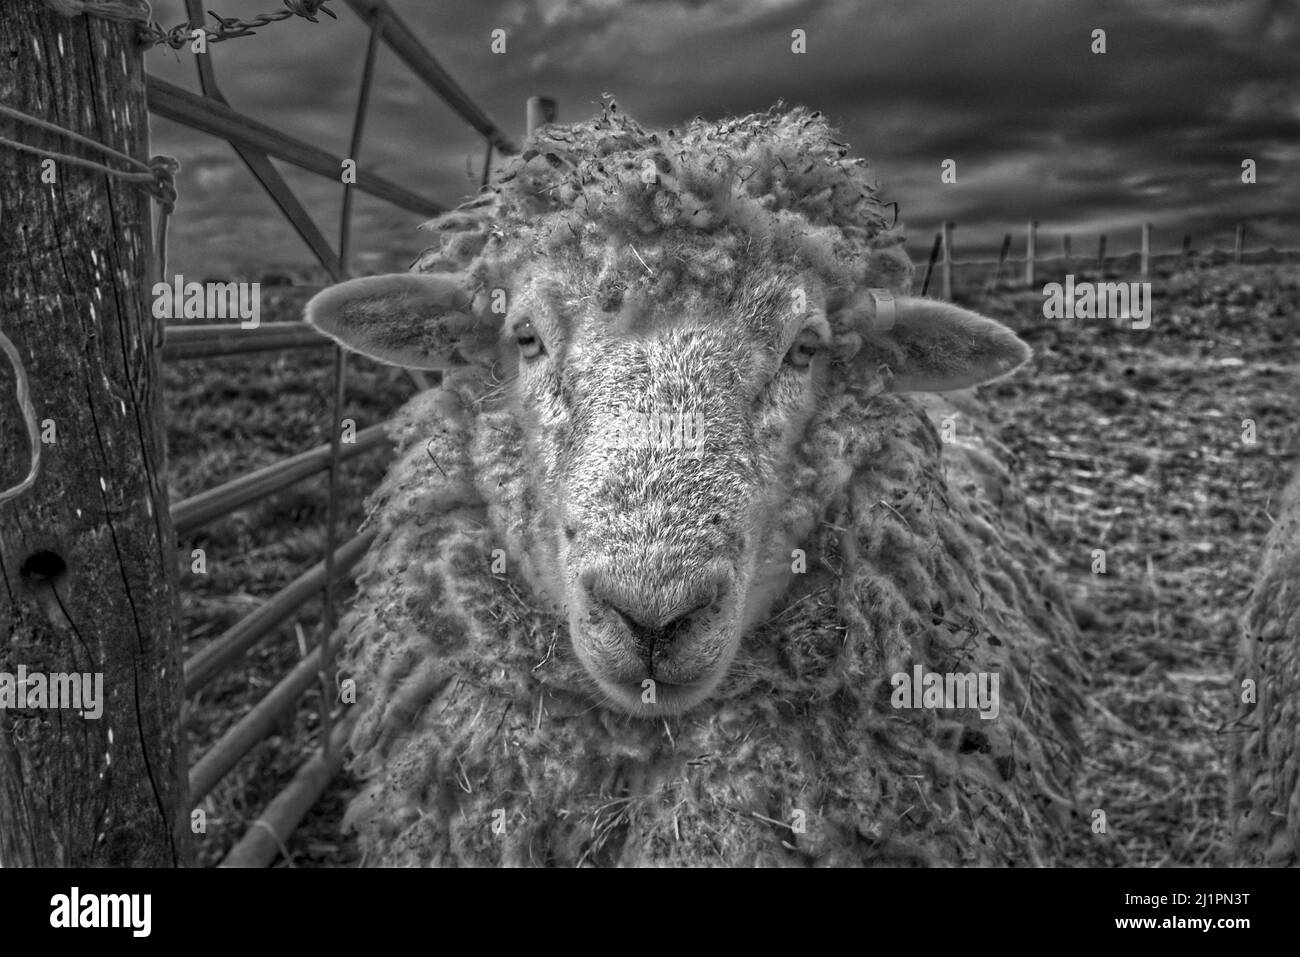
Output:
(652, 618)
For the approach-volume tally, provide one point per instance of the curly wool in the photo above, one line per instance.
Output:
(1265, 800)
(709, 201)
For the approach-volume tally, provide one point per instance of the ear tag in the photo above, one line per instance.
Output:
(886, 314)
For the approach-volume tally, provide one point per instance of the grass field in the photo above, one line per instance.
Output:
(1128, 441)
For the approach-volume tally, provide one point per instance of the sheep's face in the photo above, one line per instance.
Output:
(660, 433)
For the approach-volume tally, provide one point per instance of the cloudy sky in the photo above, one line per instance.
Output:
(1039, 126)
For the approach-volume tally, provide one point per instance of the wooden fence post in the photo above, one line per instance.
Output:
(87, 554)
(947, 260)
(1239, 243)
(540, 111)
(1068, 257)
(1146, 250)
(1101, 252)
(1031, 239)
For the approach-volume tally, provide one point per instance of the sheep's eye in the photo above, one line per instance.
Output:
(530, 343)
(805, 348)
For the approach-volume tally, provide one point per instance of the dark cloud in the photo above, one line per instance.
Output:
(1040, 127)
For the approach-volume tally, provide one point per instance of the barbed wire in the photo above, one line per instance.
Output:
(228, 28)
(152, 33)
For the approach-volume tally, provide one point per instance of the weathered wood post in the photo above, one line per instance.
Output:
(1239, 243)
(1031, 239)
(87, 554)
(947, 261)
(540, 111)
(1146, 250)
(1101, 252)
(1068, 258)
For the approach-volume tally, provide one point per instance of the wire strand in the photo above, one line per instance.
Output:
(29, 416)
(76, 137)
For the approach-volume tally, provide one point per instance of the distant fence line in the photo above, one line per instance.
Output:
(942, 254)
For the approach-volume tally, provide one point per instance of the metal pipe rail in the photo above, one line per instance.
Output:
(217, 502)
(210, 340)
(399, 38)
(209, 116)
(256, 143)
(231, 747)
(221, 652)
(264, 840)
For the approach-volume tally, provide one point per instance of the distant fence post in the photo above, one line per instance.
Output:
(934, 257)
(1239, 243)
(87, 553)
(1146, 250)
(1187, 247)
(1101, 252)
(947, 260)
(1068, 257)
(1002, 258)
(541, 110)
(1031, 239)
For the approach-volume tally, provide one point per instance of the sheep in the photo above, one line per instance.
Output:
(658, 563)
(1265, 764)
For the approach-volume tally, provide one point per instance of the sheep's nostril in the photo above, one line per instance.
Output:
(645, 639)
(649, 633)
(645, 620)
(650, 616)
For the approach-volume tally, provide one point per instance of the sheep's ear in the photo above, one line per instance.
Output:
(933, 346)
(416, 320)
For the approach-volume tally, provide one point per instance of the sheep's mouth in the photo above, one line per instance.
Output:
(642, 692)
(652, 698)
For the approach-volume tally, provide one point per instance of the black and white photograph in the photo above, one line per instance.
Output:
(687, 434)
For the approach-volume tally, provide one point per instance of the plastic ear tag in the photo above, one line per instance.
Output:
(886, 315)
